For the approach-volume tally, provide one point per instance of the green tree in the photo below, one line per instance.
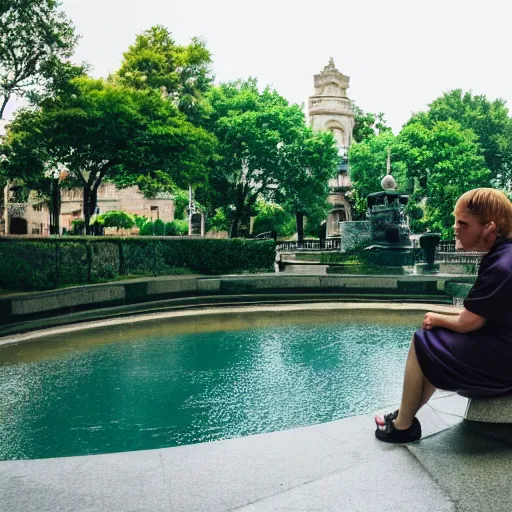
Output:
(27, 162)
(434, 165)
(489, 120)
(442, 163)
(309, 160)
(258, 134)
(99, 129)
(181, 73)
(35, 37)
(368, 167)
(273, 217)
(368, 125)
(117, 219)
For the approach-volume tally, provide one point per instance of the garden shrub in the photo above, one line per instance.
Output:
(146, 229)
(44, 263)
(118, 219)
(170, 229)
(158, 227)
(105, 261)
(27, 265)
(77, 226)
(176, 228)
(139, 220)
(73, 263)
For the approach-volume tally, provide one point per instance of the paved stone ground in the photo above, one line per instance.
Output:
(337, 466)
(473, 465)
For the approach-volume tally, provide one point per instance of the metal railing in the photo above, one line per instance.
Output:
(446, 252)
(446, 247)
(309, 245)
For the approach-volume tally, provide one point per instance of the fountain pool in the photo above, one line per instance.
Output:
(200, 377)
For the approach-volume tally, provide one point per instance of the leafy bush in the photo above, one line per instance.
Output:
(77, 226)
(272, 217)
(176, 228)
(45, 263)
(218, 222)
(182, 227)
(170, 229)
(158, 227)
(118, 219)
(139, 221)
(147, 229)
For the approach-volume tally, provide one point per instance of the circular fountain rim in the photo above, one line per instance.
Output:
(33, 336)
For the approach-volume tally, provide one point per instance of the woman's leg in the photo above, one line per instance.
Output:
(417, 391)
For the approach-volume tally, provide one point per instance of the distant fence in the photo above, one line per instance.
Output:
(447, 253)
(308, 245)
(446, 247)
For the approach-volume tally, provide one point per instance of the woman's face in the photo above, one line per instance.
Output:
(470, 232)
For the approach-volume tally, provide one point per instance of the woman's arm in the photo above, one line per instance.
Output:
(463, 322)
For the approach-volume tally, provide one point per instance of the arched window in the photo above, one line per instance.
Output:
(337, 131)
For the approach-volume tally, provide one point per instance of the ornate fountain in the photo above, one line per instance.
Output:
(384, 240)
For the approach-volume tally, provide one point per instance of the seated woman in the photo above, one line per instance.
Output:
(470, 353)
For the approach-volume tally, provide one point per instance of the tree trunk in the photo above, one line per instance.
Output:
(55, 208)
(91, 186)
(90, 199)
(239, 210)
(299, 219)
(4, 104)
(233, 232)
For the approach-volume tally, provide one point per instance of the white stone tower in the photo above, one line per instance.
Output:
(331, 109)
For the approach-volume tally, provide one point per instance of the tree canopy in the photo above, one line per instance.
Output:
(264, 145)
(434, 165)
(442, 163)
(368, 125)
(36, 37)
(309, 161)
(98, 129)
(368, 167)
(181, 73)
(488, 120)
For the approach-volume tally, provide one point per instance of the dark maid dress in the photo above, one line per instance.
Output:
(477, 363)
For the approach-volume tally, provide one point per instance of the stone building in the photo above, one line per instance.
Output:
(331, 109)
(33, 218)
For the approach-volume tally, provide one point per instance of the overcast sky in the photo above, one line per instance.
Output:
(399, 54)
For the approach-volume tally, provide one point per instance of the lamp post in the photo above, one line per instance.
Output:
(57, 173)
(6, 208)
(3, 158)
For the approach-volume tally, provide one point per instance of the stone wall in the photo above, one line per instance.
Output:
(354, 234)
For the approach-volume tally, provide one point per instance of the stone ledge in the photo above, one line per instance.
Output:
(21, 307)
(490, 410)
(66, 298)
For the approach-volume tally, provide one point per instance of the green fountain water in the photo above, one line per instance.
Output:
(157, 384)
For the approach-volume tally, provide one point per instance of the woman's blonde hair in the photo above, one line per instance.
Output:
(488, 204)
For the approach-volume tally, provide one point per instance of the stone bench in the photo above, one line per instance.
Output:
(489, 410)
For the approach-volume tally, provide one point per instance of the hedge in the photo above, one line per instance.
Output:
(38, 263)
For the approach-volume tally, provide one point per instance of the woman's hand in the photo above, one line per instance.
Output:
(430, 321)
(465, 321)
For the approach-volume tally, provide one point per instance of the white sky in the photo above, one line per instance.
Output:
(399, 54)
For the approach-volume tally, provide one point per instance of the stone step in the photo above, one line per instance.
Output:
(490, 410)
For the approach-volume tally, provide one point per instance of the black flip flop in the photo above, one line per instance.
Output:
(389, 434)
(388, 418)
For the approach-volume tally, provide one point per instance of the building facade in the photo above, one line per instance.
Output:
(31, 217)
(331, 109)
